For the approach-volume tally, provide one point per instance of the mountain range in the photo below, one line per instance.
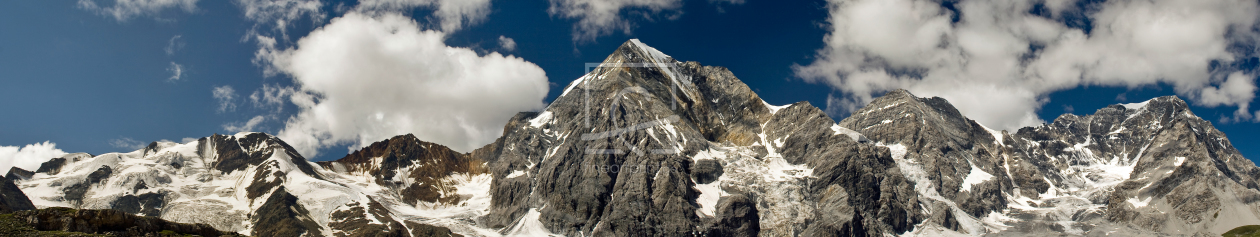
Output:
(646, 145)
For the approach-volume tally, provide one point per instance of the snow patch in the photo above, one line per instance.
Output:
(542, 118)
(1139, 203)
(1136, 105)
(997, 135)
(976, 176)
(515, 174)
(709, 196)
(655, 54)
(774, 109)
(1179, 161)
(856, 136)
(574, 84)
(914, 171)
(529, 225)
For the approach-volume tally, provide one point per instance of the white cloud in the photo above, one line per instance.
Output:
(272, 19)
(1238, 87)
(271, 97)
(1237, 90)
(127, 143)
(188, 139)
(507, 44)
(362, 79)
(177, 72)
(173, 45)
(999, 62)
(226, 97)
(451, 15)
(279, 14)
(28, 157)
(122, 10)
(603, 17)
(248, 126)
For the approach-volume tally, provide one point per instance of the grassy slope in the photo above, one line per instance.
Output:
(1244, 231)
(12, 226)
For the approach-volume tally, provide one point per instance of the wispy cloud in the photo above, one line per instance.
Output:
(226, 97)
(127, 143)
(277, 15)
(122, 10)
(248, 126)
(449, 15)
(174, 45)
(603, 17)
(177, 72)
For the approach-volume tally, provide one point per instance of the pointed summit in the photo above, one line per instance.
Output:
(652, 54)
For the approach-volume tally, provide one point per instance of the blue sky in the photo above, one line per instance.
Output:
(90, 81)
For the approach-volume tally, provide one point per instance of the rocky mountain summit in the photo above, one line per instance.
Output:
(646, 145)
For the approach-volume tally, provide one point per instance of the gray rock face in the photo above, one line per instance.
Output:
(706, 171)
(634, 148)
(1121, 168)
(16, 173)
(737, 216)
(13, 199)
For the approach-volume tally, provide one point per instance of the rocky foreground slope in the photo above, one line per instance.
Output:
(646, 145)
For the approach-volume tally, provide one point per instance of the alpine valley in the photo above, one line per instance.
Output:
(645, 145)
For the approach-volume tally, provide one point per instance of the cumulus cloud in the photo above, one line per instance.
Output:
(121, 10)
(450, 15)
(507, 44)
(226, 97)
(364, 78)
(127, 143)
(603, 17)
(997, 60)
(28, 157)
(177, 72)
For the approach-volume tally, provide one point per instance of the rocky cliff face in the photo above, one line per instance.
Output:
(1124, 168)
(12, 198)
(646, 145)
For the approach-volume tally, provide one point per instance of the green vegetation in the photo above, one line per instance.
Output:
(15, 224)
(10, 226)
(1244, 231)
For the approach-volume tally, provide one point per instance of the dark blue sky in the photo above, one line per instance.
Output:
(82, 80)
